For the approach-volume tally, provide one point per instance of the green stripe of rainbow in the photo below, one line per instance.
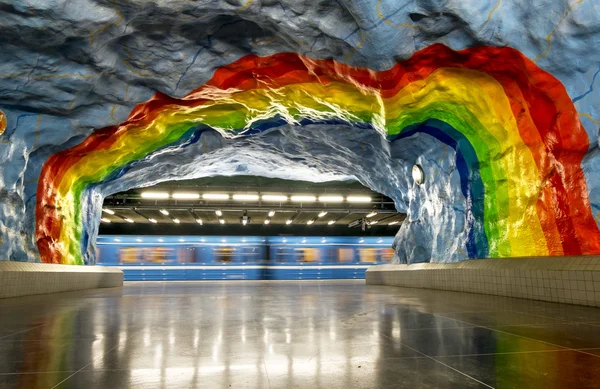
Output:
(519, 120)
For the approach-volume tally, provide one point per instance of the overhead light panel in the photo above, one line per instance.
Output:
(371, 214)
(218, 212)
(331, 222)
(245, 197)
(358, 199)
(215, 196)
(267, 221)
(310, 222)
(222, 221)
(374, 222)
(155, 195)
(304, 198)
(186, 196)
(244, 222)
(164, 212)
(152, 221)
(323, 213)
(199, 221)
(176, 221)
(271, 213)
(109, 211)
(392, 223)
(104, 220)
(331, 199)
(274, 198)
(128, 220)
(288, 222)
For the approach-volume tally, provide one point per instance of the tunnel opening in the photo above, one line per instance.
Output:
(247, 228)
(242, 205)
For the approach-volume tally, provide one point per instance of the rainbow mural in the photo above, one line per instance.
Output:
(518, 138)
(2, 122)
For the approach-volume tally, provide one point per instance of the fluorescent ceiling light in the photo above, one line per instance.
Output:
(358, 199)
(218, 212)
(310, 222)
(244, 221)
(109, 211)
(155, 195)
(186, 196)
(176, 221)
(392, 223)
(288, 222)
(271, 213)
(128, 220)
(164, 212)
(267, 221)
(331, 222)
(331, 199)
(152, 220)
(374, 222)
(304, 198)
(215, 196)
(245, 197)
(104, 220)
(371, 214)
(222, 221)
(323, 213)
(274, 198)
(199, 221)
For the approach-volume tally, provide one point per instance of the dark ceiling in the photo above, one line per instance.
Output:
(143, 211)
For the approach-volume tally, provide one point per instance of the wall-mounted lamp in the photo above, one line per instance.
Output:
(417, 174)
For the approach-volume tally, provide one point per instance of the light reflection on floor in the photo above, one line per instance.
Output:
(330, 334)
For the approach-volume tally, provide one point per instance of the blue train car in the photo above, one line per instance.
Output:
(242, 257)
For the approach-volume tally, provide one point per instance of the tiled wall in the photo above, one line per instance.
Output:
(573, 280)
(23, 278)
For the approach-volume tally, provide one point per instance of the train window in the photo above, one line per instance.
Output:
(284, 254)
(157, 254)
(250, 254)
(345, 255)
(186, 255)
(128, 254)
(224, 254)
(386, 255)
(367, 255)
(308, 254)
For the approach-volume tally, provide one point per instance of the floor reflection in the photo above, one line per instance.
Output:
(293, 334)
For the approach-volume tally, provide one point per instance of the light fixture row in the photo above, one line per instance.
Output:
(219, 214)
(305, 198)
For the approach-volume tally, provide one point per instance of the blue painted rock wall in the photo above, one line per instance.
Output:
(71, 67)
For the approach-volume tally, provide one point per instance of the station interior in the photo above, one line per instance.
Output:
(299, 194)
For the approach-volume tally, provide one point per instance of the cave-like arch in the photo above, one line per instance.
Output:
(518, 139)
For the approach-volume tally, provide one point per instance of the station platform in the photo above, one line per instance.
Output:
(294, 334)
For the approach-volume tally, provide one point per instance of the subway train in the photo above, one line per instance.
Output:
(145, 258)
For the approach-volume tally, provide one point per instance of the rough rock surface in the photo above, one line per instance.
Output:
(73, 66)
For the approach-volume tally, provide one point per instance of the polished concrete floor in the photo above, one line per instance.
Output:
(336, 334)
